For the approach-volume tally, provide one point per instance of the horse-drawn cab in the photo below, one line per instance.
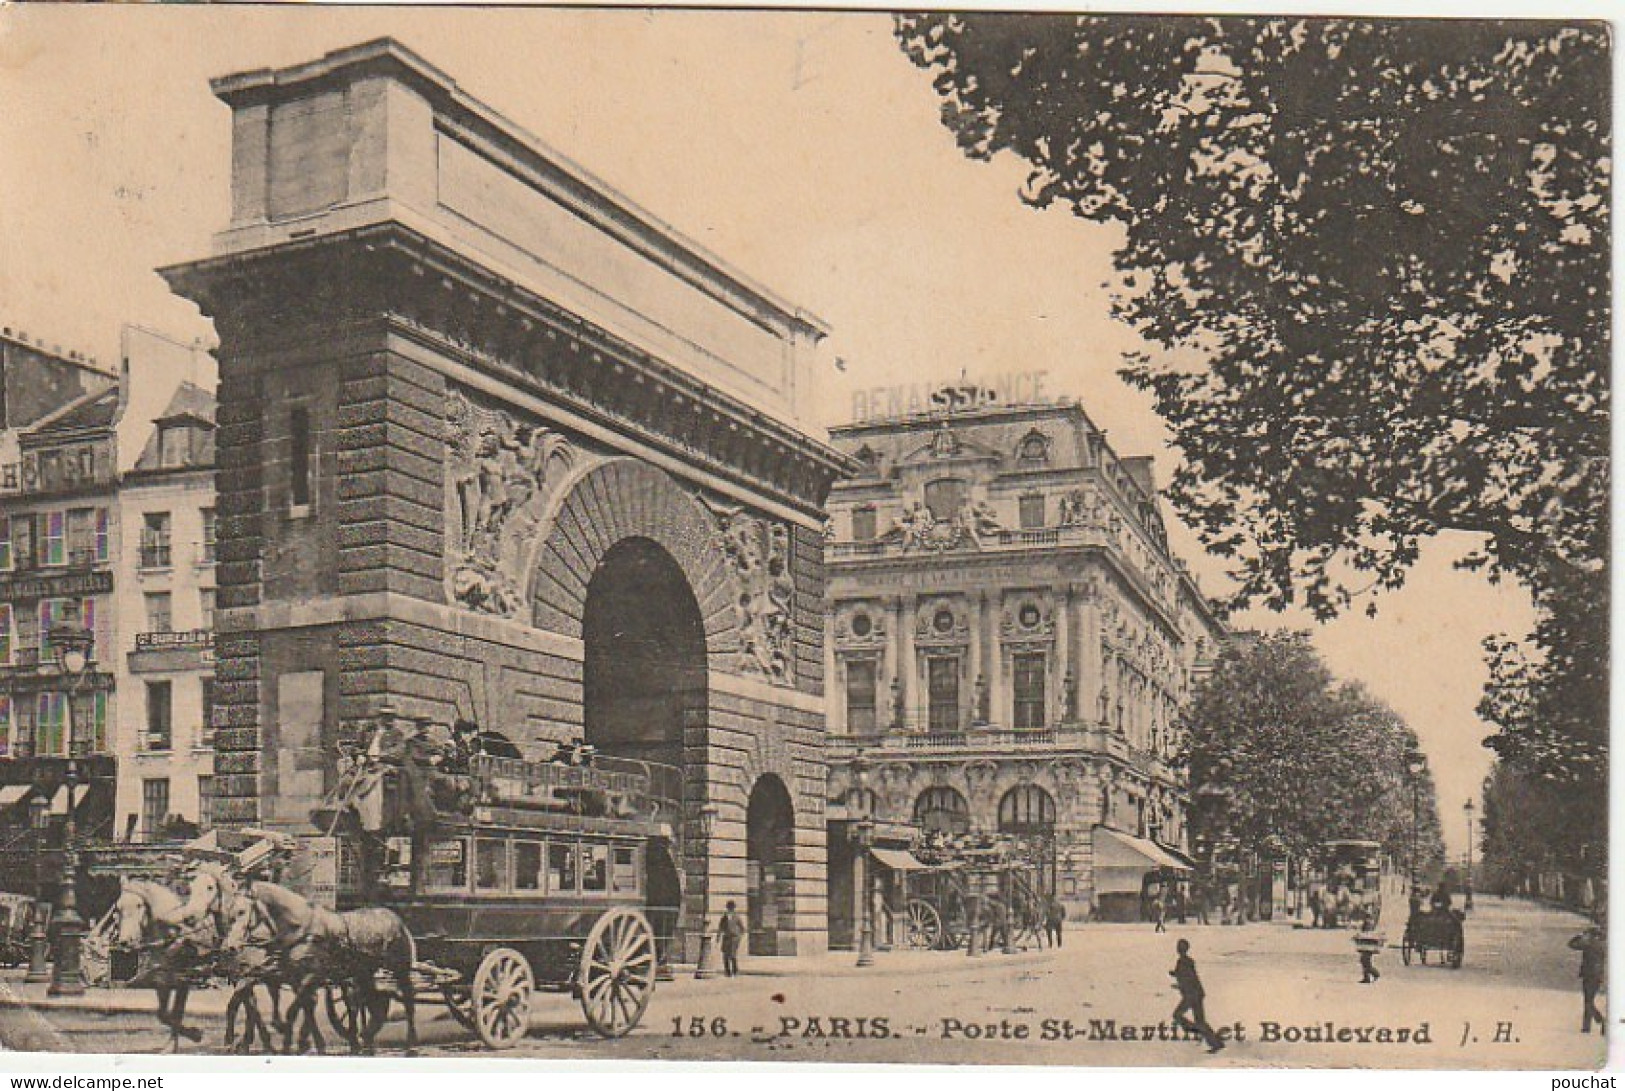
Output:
(980, 891)
(1439, 928)
(1351, 885)
(513, 875)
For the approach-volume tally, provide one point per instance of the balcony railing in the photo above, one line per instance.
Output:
(33, 659)
(1094, 737)
(188, 638)
(155, 556)
(1002, 539)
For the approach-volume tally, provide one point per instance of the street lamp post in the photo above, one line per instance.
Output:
(73, 644)
(1467, 879)
(865, 828)
(1416, 764)
(39, 945)
(67, 974)
(706, 966)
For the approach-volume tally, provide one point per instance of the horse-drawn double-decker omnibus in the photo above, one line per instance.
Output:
(513, 875)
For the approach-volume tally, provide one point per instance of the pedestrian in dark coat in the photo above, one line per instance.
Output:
(1314, 909)
(729, 932)
(1054, 919)
(1190, 1013)
(1593, 948)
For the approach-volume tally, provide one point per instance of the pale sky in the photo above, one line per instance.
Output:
(801, 148)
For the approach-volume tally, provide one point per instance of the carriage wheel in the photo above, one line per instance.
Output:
(924, 925)
(501, 998)
(1457, 951)
(617, 972)
(1405, 952)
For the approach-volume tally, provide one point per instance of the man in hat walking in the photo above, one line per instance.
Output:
(1190, 1014)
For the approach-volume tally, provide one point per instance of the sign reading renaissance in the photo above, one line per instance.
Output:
(1015, 388)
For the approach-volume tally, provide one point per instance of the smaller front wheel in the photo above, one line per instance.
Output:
(501, 998)
(1405, 952)
(924, 927)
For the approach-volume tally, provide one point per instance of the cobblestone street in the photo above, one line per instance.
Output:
(1109, 982)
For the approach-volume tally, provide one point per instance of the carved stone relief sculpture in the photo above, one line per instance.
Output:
(758, 552)
(500, 476)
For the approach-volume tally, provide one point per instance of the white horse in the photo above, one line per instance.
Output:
(149, 918)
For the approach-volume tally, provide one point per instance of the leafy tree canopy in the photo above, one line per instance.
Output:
(1280, 753)
(1387, 241)
(1533, 825)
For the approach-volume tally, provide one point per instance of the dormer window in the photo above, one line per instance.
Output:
(1033, 448)
(175, 444)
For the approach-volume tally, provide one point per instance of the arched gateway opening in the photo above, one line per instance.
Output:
(644, 685)
(644, 678)
(769, 864)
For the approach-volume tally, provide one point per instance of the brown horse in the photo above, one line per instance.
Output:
(319, 948)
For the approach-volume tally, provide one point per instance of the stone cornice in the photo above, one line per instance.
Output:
(456, 307)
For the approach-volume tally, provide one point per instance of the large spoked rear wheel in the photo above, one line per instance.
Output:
(1458, 950)
(501, 998)
(925, 931)
(617, 975)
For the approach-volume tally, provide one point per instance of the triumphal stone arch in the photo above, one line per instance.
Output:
(497, 445)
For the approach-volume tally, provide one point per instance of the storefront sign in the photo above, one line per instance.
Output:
(1017, 388)
(80, 583)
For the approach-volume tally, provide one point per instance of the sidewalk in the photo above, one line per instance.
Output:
(15, 994)
(211, 1003)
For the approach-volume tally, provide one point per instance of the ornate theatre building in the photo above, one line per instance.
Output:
(1009, 640)
(495, 444)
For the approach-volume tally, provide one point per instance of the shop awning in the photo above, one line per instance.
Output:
(1122, 860)
(59, 802)
(1189, 864)
(899, 860)
(11, 794)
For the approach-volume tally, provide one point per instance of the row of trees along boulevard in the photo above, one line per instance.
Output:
(1284, 758)
(1386, 243)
